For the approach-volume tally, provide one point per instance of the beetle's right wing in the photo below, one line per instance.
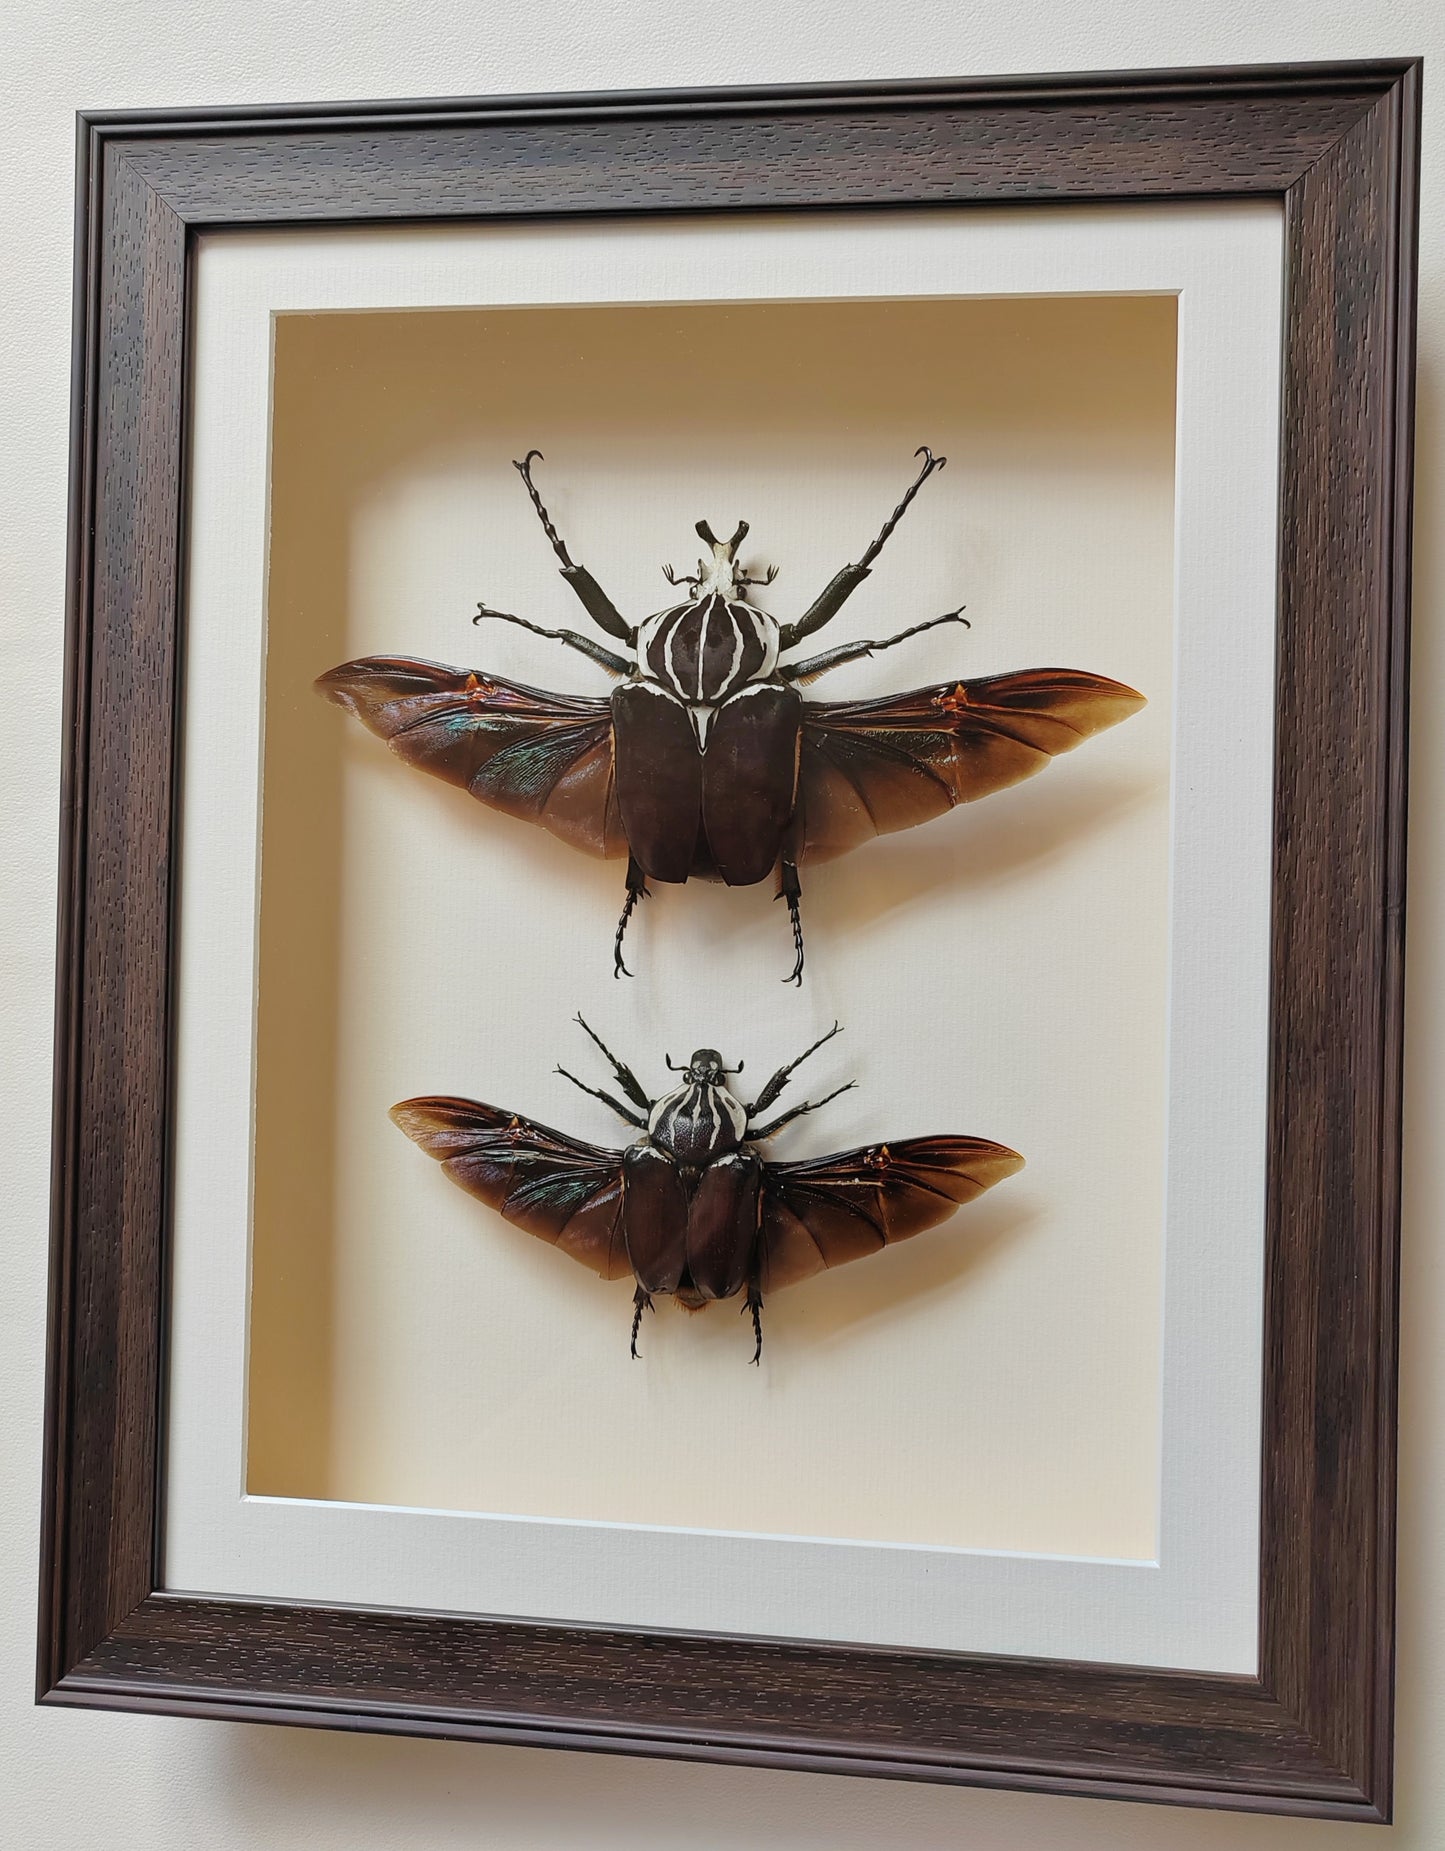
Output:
(546, 758)
(563, 1191)
(828, 1210)
(868, 768)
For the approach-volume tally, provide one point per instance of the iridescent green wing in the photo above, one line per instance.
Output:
(563, 1191)
(546, 758)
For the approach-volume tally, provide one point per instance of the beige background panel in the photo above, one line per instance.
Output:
(992, 1384)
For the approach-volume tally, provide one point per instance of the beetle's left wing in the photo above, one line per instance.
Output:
(564, 1191)
(546, 758)
(834, 1209)
(870, 767)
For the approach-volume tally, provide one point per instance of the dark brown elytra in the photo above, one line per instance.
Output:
(706, 760)
(691, 1209)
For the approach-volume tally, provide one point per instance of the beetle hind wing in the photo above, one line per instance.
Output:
(869, 768)
(541, 757)
(557, 1188)
(829, 1210)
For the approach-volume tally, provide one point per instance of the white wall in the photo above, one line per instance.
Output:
(71, 1779)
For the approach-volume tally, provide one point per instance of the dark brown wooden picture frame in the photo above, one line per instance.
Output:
(1338, 146)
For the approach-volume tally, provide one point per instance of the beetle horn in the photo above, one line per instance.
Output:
(738, 537)
(704, 532)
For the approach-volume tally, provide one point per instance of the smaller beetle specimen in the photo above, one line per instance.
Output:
(691, 1210)
(705, 761)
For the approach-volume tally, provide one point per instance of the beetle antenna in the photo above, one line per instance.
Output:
(670, 575)
(670, 1067)
(737, 1069)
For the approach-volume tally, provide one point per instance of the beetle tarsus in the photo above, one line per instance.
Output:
(636, 890)
(836, 593)
(813, 666)
(595, 601)
(584, 645)
(780, 1079)
(808, 1105)
(754, 1304)
(524, 470)
(597, 1093)
(641, 1301)
(791, 890)
(930, 463)
(626, 1078)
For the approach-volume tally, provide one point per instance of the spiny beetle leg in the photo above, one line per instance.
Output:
(641, 1301)
(786, 1118)
(597, 1093)
(584, 645)
(626, 1078)
(595, 601)
(930, 463)
(524, 470)
(826, 606)
(780, 1079)
(636, 890)
(814, 666)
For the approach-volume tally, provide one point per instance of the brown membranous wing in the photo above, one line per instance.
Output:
(871, 767)
(545, 758)
(564, 1191)
(830, 1210)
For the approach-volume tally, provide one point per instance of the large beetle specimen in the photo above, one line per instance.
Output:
(691, 1209)
(706, 760)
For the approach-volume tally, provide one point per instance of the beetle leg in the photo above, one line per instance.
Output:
(930, 463)
(641, 1301)
(790, 888)
(780, 1079)
(826, 606)
(595, 601)
(616, 1104)
(614, 664)
(636, 890)
(626, 1078)
(754, 1303)
(786, 1118)
(850, 652)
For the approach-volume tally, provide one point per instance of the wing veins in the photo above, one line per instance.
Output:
(456, 710)
(885, 749)
(850, 1208)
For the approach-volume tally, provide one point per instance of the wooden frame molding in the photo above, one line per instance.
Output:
(1338, 146)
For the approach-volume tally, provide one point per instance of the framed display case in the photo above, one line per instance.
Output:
(1090, 1490)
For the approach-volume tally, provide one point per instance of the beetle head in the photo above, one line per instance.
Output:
(720, 574)
(705, 1067)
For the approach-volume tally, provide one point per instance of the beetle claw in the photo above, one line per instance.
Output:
(641, 1301)
(754, 1303)
(636, 890)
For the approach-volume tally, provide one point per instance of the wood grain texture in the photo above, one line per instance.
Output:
(1338, 145)
(116, 1048)
(1328, 1539)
